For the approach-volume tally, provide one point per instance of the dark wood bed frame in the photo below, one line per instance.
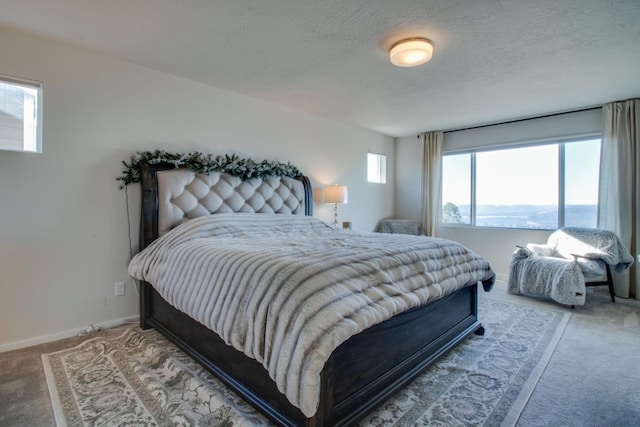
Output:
(361, 373)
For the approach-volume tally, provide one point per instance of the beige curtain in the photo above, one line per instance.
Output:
(618, 204)
(431, 180)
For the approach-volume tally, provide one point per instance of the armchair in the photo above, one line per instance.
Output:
(572, 259)
(400, 226)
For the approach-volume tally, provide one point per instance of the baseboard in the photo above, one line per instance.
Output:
(502, 277)
(65, 334)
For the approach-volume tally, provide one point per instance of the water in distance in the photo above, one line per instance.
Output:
(544, 217)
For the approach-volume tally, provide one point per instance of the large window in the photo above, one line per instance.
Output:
(20, 118)
(543, 186)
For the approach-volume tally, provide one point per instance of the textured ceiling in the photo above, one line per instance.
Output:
(493, 60)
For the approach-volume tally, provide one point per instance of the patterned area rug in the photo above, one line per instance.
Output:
(141, 379)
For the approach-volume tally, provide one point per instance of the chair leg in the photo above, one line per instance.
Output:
(610, 283)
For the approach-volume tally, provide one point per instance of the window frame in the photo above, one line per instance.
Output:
(561, 167)
(38, 121)
(376, 168)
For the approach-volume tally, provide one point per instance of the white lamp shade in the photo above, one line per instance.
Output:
(336, 194)
(411, 52)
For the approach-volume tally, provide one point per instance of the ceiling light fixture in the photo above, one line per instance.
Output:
(411, 52)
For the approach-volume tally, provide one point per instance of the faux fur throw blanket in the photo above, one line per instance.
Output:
(556, 278)
(553, 271)
(594, 243)
(287, 290)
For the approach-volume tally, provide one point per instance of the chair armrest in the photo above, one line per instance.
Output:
(521, 252)
(541, 250)
(592, 265)
(591, 257)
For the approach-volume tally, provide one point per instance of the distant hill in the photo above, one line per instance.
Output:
(530, 216)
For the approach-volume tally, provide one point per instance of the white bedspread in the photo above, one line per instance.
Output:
(287, 290)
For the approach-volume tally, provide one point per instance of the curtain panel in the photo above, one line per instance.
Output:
(431, 180)
(618, 204)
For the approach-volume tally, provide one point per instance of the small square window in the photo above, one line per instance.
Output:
(377, 168)
(20, 115)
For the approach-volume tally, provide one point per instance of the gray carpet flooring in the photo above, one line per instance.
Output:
(592, 379)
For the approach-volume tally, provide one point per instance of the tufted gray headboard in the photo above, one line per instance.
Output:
(171, 196)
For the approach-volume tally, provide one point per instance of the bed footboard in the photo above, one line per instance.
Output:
(361, 374)
(375, 364)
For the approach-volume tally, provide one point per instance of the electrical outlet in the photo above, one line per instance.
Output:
(118, 289)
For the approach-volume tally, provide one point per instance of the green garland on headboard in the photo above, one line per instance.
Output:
(205, 163)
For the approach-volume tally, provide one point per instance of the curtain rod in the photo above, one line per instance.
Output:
(524, 119)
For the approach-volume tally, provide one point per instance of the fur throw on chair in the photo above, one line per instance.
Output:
(558, 268)
(593, 243)
(556, 278)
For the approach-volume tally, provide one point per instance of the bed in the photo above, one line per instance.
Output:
(361, 371)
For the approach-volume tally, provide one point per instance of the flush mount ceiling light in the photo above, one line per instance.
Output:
(411, 52)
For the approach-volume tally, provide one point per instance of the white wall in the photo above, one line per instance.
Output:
(496, 245)
(408, 180)
(63, 224)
